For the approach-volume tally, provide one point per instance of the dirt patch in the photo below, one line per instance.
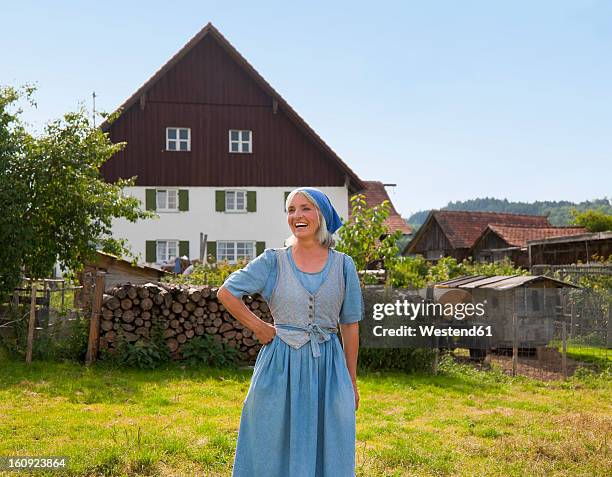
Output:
(546, 368)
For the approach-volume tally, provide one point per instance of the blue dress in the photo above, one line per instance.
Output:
(298, 418)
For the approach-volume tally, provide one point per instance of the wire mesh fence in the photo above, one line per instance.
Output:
(543, 330)
(58, 315)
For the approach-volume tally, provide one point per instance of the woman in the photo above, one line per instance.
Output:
(298, 418)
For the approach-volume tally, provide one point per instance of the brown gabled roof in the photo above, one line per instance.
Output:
(355, 183)
(463, 228)
(517, 236)
(375, 193)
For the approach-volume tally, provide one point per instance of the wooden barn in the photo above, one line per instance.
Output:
(507, 241)
(574, 249)
(449, 233)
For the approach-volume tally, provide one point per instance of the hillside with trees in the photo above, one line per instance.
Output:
(559, 212)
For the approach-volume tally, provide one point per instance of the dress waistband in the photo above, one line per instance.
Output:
(317, 334)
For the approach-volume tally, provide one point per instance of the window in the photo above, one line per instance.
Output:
(167, 250)
(167, 200)
(240, 141)
(178, 139)
(235, 201)
(233, 251)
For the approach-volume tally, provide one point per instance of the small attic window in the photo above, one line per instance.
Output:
(240, 141)
(178, 139)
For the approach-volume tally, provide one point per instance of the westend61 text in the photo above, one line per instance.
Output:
(411, 310)
(426, 331)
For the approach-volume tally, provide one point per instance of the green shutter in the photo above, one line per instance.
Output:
(220, 200)
(151, 199)
(260, 247)
(285, 201)
(183, 200)
(151, 251)
(211, 252)
(251, 201)
(184, 248)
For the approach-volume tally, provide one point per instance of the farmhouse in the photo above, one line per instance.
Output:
(215, 150)
(449, 233)
(509, 241)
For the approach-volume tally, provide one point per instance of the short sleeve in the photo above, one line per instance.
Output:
(255, 277)
(352, 307)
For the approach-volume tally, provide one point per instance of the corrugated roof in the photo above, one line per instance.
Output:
(500, 282)
(459, 281)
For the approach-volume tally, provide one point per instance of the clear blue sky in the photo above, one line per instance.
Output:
(450, 100)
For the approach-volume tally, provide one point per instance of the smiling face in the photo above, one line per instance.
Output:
(302, 217)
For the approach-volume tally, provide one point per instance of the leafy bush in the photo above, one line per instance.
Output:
(409, 272)
(592, 220)
(208, 351)
(144, 354)
(366, 238)
(416, 272)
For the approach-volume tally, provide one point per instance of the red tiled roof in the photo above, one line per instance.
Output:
(463, 228)
(518, 236)
(375, 193)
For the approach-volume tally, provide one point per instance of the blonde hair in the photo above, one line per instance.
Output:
(323, 236)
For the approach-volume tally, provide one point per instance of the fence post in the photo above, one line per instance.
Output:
(436, 359)
(32, 321)
(94, 324)
(609, 339)
(514, 342)
(564, 349)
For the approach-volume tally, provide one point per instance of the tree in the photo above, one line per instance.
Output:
(593, 220)
(366, 238)
(55, 205)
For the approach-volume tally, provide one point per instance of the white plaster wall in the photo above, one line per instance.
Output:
(268, 223)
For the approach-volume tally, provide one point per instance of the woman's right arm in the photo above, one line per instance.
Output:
(263, 331)
(252, 279)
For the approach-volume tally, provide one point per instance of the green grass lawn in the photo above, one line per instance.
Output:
(180, 421)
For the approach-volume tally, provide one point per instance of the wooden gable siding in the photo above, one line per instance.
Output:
(208, 75)
(489, 241)
(208, 92)
(433, 239)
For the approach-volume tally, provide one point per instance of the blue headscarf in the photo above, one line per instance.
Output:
(332, 219)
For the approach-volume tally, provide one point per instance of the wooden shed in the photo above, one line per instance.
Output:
(571, 249)
(510, 241)
(533, 299)
(117, 271)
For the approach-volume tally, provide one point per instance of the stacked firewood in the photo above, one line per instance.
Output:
(182, 312)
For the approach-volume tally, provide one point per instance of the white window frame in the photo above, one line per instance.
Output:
(165, 208)
(240, 141)
(166, 245)
(234, 244)
(235, 210)
(177, 139)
